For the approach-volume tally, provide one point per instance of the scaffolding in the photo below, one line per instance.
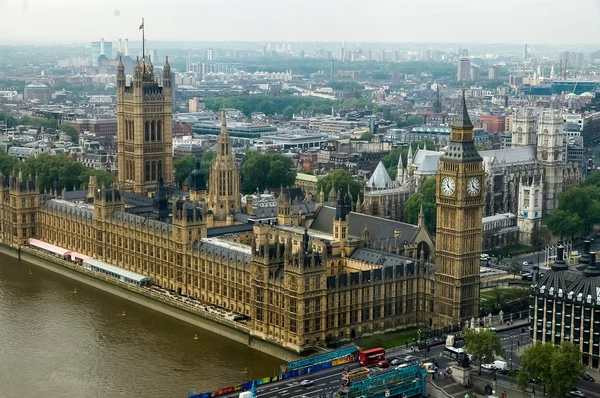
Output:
(406, 382)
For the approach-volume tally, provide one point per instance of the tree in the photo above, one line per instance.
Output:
(565, 356)
(540, 237)
(183, 167)
(515, 267)
(270, 170)
(548, 364)
(367, 136)
(426, 198)
(288, 112)
(7, 163)
(412, 120)
(340, 180)
(565, 224)
(483, 344)
(71, 132)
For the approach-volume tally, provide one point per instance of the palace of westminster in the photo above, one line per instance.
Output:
(301, 281)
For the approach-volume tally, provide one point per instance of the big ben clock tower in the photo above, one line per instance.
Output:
(459, 200)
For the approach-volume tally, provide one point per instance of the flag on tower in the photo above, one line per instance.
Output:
(142, 25)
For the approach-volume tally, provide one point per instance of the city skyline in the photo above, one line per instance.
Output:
(271, 20)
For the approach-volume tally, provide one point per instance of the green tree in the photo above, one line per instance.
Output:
(515, 267)
(183, 167)
(288, 112)
(540, 237)
(69, 173)
(340, 180)
(426, 198)
(565, 224)
(548, 363)
(367, 136)
(261, 171)
(7, 163)
(536, 364)
(71, 132)
(483, 344)
(412, 120)
(565, 356)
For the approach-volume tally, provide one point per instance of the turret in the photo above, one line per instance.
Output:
(400, 171)
(166, 77)
(121, 79)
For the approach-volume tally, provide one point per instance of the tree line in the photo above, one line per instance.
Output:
(49, 169)
(259, 171)
(578, 209)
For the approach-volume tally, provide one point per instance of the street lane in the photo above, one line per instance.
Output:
(329, 380)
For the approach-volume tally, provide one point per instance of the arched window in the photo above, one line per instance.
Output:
(153, 170)
(159, 131)
(153, 129)
(147, 177)
(147, 131)
(160, 174)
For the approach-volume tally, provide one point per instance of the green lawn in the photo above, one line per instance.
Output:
(506, 294)
(390, 339)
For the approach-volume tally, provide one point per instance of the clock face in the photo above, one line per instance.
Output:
(474, 186)
(448, 186)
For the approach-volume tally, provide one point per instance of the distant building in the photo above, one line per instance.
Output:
(38, 93)
(463, 72)
(474, 72)
(101, 48)
(493, 123)
(100, 128)
(196, 105)
(493, 72)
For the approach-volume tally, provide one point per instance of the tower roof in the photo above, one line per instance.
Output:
(462, 119)
(380, 178)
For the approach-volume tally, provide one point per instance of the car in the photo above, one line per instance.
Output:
(395, 361)
(402, 366)
(525, 263)
(306, 382)
(411, 358)
(383, 364)
(577, 394)
(587, 377)
(488, 366)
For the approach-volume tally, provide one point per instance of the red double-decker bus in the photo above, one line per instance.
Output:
(371, 357)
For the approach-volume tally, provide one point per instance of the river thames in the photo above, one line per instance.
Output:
(54, 343)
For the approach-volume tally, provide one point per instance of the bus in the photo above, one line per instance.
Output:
(371, 357)
(354, 375)
(454, 353)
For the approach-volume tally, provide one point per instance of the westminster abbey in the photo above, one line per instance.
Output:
(304, 281)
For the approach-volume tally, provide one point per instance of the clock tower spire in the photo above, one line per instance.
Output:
(459, 199)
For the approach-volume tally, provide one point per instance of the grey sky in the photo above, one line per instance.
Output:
(456, 21)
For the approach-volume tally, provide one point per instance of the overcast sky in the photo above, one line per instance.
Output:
(454, 21)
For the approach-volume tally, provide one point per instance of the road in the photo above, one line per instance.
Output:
(329, 380)
(533, 259)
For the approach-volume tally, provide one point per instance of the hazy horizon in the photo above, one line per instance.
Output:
(376, 21)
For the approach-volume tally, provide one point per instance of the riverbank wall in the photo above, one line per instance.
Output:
(230, 329)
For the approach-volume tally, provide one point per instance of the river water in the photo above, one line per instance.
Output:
(54, 343)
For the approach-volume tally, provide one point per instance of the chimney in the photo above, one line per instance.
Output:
(102, 46)
(127, 47)
(592, 260)
(120, 51)
(585, 256)
(559, 263)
